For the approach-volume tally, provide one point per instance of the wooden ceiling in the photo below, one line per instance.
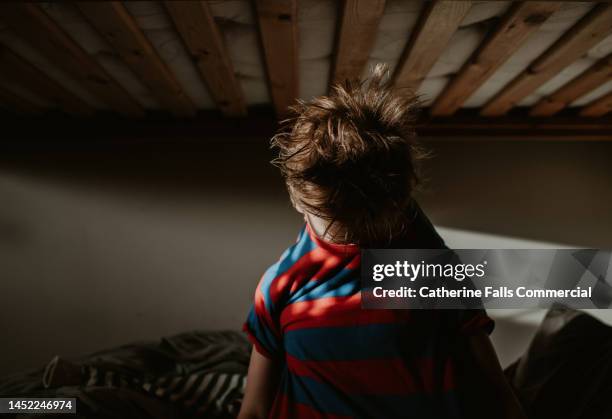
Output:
(357, 28)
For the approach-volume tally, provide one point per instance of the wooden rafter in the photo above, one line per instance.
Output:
(437, 24)
(599, 107)
(32, 24)
(204, 41)
(17, 103)
(585, 34)
(461, 126)
(278, 32)
(117, 26)
(516, 128)
(598, 74)
(15, 69)
(358, 26)
(522, 20)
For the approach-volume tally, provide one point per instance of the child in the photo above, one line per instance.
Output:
(350, 164)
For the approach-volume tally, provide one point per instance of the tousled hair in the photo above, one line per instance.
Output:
(351, 158)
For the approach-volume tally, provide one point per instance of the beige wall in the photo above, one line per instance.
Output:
(553, 192)
(118, 244)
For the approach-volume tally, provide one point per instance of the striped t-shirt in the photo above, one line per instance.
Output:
(341, 361)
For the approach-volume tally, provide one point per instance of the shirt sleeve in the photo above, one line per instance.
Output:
(262, 325)
(262, 332)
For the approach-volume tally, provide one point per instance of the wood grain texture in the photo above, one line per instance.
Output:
(358, 27)
(598, 74)
(277, 21)
(117, 26)
(599, 107)
(32, 24)
(438, 22)
(516, 26)
(15, 69)
(204, 41)
(585, 34)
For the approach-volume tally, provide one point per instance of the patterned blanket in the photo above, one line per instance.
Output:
(191, 375)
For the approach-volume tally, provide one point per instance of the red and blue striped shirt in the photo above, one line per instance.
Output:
(341, 361)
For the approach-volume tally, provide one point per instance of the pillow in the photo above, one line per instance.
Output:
(567, 369)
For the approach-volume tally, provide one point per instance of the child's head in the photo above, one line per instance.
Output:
(349, 158)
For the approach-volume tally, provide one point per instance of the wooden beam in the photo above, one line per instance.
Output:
(599, 107)
(32, 24)
(18, 104)
(584, 35)
(278, 33)
(598, 74)
(52, 132)
(118, 27)
(204, 42)
(437, 24)
(515, 128)
(521, 20)
(14, 69)
(358, 26)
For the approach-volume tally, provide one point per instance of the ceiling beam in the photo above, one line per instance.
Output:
(516, 128)
(278, 29)
(15, 69)
(16, 103)
(32, 24)
(598, 74)
(55, 130)
(438, 22)
(118, 27)
(204, 41)
(598, 107)
(358, 26)
(521, 20)
(573, 44)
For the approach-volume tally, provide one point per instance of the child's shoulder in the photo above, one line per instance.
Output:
(290, 261)
(303, 246)
(306, 258)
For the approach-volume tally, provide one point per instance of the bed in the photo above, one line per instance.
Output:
(566, 373)
(197, 374)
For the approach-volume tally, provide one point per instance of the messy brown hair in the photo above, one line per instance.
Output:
(350, 158)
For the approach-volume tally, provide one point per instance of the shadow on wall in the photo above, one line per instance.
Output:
(111, 246)
(546, 191)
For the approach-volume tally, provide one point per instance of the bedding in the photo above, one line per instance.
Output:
(191, 375)
(567, 370)
(565, 373)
